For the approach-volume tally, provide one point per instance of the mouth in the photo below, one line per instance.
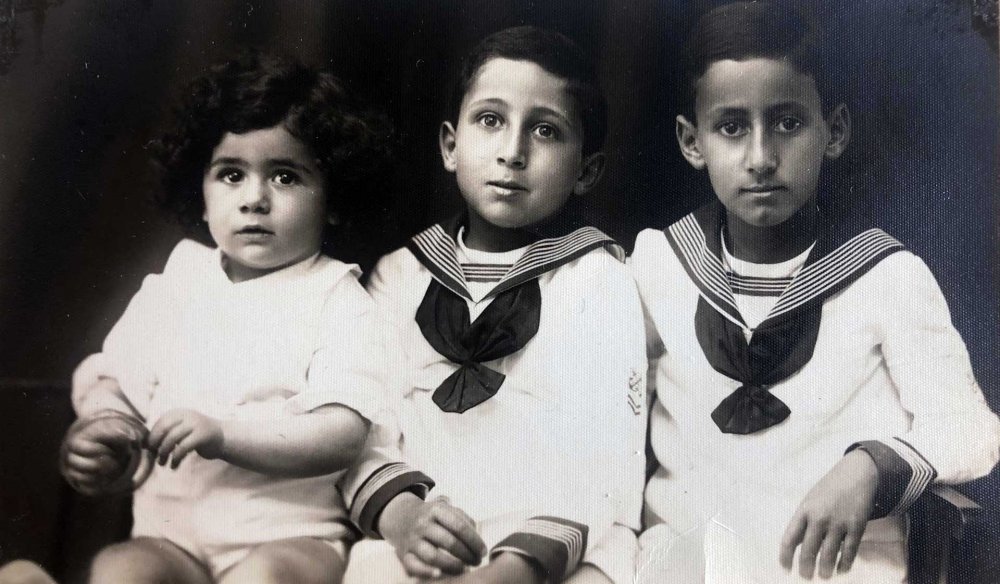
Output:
(763, 189)
(507, 187)
(254, 231)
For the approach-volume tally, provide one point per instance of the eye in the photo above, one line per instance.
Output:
(732, 128)
(546, 131)
(285, 178)
(788, 124)
(488, 120)
(229, 175)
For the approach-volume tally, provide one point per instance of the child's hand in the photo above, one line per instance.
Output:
(832, 518)
(181, 432)
(431, 537)
(98, 452)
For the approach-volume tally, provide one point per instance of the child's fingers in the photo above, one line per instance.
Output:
(88, 448)
(161, 429)
(417, 568)
(794, 533)
(183, 448)
(463, 528)
(828, 553)
(443, 539)
(100, 465)
(170, 441)
(850, 549)
(815, 534)
(86, 484)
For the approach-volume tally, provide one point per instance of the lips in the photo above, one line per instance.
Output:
(507, 186)
(254, 230)
(762, 188)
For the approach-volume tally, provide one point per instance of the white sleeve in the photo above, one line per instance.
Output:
(380, 474)
(128, 355)
(954, 435)
(350, 364)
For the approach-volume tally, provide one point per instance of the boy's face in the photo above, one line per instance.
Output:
(516, 147)
(265, 202)
(761, 134)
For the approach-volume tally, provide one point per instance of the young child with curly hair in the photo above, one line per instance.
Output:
(253, 368)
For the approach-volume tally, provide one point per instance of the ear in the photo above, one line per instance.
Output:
(839, 124)
(446, 141)
(590, 173)
(687, 139)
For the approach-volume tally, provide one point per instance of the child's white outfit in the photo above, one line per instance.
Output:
(280, 345)
(765, 375)
(551, 465)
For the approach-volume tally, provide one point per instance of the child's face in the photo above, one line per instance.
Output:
(516, 148)
(265, 202)
(761, 134)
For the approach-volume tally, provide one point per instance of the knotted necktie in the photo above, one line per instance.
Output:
(775, 351)
(504, 327)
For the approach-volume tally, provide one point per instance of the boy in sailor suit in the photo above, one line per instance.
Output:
(524, 361)
(809, 383)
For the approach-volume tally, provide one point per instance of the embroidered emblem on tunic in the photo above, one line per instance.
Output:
(635, 398)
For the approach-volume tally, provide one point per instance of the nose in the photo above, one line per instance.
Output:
(512, 150)
(255, 198)
(761, 157)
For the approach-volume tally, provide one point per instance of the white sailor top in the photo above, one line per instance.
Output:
(538, 437)
(858, 351)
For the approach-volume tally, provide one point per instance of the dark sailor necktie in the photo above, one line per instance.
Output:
(504, 327)
(774, 353)
(784, 342)
(511, 319)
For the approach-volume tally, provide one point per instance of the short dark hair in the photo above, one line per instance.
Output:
(747, 30)
(553, 52)
(352, 146)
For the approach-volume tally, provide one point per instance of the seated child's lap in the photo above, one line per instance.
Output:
(374, 561)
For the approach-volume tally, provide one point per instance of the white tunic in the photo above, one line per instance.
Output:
(275, 346)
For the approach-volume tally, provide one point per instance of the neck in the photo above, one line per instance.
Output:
(772, 244)
(482, 235)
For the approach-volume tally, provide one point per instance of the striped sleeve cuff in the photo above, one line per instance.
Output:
(903, 475)
(381, 487)
(557, 545)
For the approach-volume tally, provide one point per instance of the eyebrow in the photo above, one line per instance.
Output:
(234, 161)
(742, 111)
(535, 110)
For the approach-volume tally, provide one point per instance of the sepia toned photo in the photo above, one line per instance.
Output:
(458, 291)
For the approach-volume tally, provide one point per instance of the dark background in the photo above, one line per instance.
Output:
(84, 84)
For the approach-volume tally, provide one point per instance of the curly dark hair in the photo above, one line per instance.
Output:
(352, 144)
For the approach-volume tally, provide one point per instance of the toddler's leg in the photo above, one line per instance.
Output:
(304, 560)
(24, 572)
(146, 560)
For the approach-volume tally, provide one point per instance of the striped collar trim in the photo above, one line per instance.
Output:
(757, 286)
(822, 276)
(436, 250)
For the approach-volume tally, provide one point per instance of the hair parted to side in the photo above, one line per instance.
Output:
(352, 146)
(553, 52)
(746, 30)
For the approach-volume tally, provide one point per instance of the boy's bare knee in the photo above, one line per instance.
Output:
(24, 572)
(304, 560)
